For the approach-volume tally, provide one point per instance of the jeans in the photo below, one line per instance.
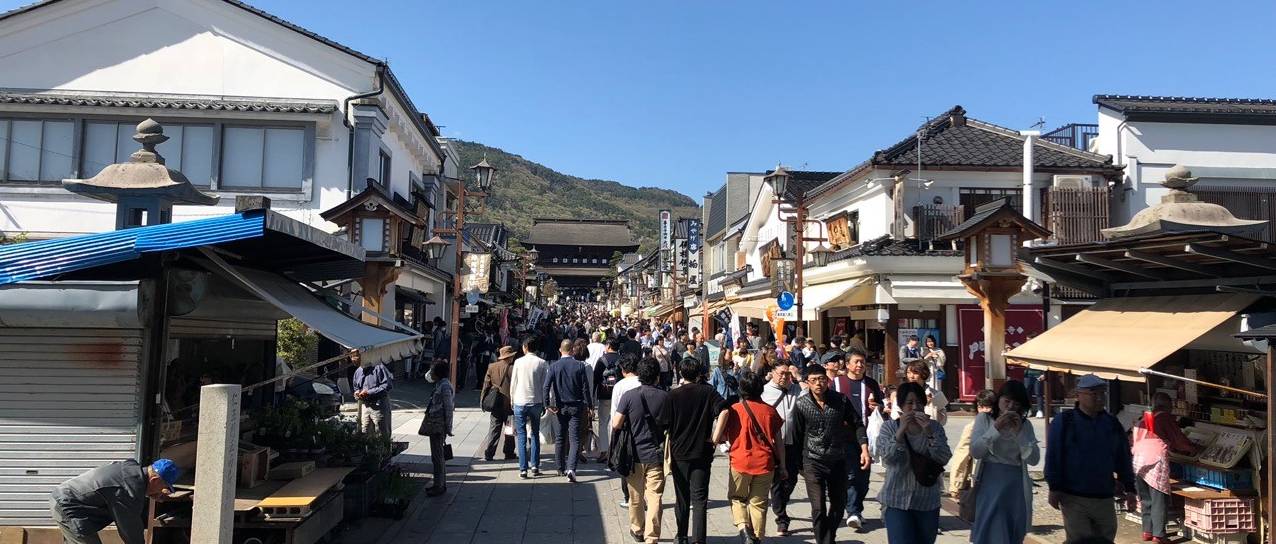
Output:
(826, 489)
(1152, 504)
(567, 442)
(524, 415)
(781, 490)
(1036, 389)
(911, 526)
(857, 484)
(691, 492)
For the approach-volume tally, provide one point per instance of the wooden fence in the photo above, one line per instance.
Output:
(931, 221)
(1076, 215)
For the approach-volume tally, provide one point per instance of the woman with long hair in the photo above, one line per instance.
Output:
(911, 505)
(918, 372)
(1005, 446)
(725, 377)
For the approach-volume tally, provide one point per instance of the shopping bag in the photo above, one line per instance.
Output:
(507, 429)
(874, 428)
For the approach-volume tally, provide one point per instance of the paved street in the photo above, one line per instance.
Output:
(487, 502)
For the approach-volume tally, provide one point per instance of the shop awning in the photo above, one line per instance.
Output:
(1116, 337)
(376, 345)
(817, 298)
(752, 308)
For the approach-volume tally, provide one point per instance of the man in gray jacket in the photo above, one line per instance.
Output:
(115, 493)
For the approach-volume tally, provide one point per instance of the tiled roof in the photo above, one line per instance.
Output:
(482, 231)
(581, 232)
(1182, 104)
(717, 212)
(803, 181)
(162, 101)
(885, 246)
(954, 140)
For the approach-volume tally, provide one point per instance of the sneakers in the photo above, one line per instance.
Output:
(536, 472)
(571, 476)
(854, 522)
(637, 536)
(623, 503)
(436, 491)
(1147, 537)
(1039, 415)
(522, 474)
(782, 528)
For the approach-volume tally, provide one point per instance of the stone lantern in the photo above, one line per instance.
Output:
(143, 189)
(994, 273)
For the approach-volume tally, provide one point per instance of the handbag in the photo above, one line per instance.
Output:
(433, 424)
(966, 498)
(926, 470)
(447, 452)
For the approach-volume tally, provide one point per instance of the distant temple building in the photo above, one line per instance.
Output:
(576, 252)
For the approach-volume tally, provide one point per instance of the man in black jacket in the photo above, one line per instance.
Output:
(823, 422)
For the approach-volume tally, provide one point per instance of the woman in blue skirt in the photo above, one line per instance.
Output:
(1004, 445)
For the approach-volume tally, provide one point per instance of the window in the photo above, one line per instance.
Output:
(189, 148)
(38, 149)
(383, 166)
(372, 233)
(266, 158)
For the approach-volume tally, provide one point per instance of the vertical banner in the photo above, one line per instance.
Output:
(1022, 322)
(693, 252)
(666, 229)
(480, 270)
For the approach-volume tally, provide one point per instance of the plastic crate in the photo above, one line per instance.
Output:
(1220, 515)
(1217, 478)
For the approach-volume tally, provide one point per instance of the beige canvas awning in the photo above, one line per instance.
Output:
(817, 298)
(1117, 337)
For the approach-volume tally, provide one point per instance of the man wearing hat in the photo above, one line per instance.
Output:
(372, 386)
(497, 383)
(115, 493)
(1086, 447)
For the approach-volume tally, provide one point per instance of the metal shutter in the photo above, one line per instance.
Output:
(68, 403)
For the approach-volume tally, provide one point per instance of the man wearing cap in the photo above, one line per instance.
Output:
(1087, 446)
(372, 386)
(115, 493)
(497, 382)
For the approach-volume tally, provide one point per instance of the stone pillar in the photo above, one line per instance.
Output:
(216, 467)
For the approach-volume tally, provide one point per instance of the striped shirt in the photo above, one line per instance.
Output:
(900, 489)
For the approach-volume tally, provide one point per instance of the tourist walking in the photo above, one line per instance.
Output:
(568, 396)
(693, 408)
(918, 372)
(1004, 445)
(527, 393)
(724, 379)
(865, 395)
(645, 410)
(1156, 434)
(935, 361)
(753, 429)
(494, 397)
(823, 422)
(914, 451)
(963, 464)
(606, 372)
(781, 393)
(1086, 446)
(436, 425)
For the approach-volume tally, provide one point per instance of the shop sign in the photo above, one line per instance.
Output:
(666, 228)
(1022, 323)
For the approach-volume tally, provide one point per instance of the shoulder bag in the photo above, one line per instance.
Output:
(926, 470)
(757, 429)
(433, 424)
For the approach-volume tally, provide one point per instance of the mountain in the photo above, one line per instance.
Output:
(523, 190)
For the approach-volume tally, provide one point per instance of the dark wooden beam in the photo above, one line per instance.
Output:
(1169, 263)
(1227, 255)
(1074, 269)
(1121, 267)
(1248, 281)
(1066, 275)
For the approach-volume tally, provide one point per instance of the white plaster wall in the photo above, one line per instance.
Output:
(196, 47)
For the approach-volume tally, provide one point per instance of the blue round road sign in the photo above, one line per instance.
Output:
(784, 301)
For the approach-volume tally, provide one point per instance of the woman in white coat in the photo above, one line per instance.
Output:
(1004, 445)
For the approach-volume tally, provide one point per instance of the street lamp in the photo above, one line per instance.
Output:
(483, 174)
(434, 248)
(778, 180)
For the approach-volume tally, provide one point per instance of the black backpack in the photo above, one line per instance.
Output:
(611, 375)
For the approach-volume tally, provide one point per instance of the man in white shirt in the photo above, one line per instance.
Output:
(527, 386)
(596, 349)
(782, 392)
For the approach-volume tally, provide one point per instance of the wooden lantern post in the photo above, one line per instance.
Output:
(994, 273)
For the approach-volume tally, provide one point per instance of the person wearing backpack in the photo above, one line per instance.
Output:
(914, 451)
(753, 429)
(645, 410)
(495, 399)
(606, 373)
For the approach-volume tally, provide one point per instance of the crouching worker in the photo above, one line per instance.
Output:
(115, 493)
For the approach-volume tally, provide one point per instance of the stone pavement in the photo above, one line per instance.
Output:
(487, 502)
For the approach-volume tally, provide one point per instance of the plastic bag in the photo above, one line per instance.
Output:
(874, 428)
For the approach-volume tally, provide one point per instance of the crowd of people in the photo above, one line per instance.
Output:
(657, 402)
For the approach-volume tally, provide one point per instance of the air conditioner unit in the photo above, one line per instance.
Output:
(1072, 182)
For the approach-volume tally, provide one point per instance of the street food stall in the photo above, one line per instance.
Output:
(110, 334)
(1178, 288)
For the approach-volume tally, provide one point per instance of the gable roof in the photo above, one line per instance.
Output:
(1191, 109)
(164, 101)
(885, 246)
(372, 193)
(581, 232)
(996, 210)
(953, 140)
(803, 181)
(428, 130)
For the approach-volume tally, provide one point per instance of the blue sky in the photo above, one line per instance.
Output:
(676, 93)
